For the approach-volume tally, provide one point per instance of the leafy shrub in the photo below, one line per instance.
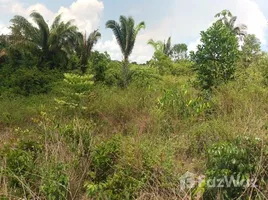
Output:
(263, 65)
(29, 81)
(162, 63)
(75, 90)
(182, 68)
(178, 103)
(78, 138)
(104, 158)
(238, 160)
(113, 74)
(20, 166)
(54, 182)
(144, 77)
(99, 64)
(216, 57)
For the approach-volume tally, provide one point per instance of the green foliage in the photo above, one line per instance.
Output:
(125, 34)
(144, 77)
(75, 90)
(50, 45)
(237, 160)
(163, 47)
(20, 165)
(216, 57)
(182, 68)
(99, 65)
(251, 50)
(179, 52)
(85, 46)
(79, 139)
(177, 102)
(29, 81)
(104, 158)
(54, 182)
(162, 63)
(227, 18)
(113, 74)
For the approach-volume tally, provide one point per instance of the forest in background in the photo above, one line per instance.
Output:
(75, 124)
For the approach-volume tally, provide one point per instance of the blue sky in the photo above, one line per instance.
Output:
(181, 19)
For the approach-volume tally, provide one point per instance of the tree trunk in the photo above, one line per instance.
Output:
(125, 73)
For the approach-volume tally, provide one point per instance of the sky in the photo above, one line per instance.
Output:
(181, 19)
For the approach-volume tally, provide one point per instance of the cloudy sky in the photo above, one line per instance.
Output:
(181, 19)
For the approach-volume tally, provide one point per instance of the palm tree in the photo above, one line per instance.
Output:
(125, 32)
(230, 21)
(164, 47)
(85, 46)
(157, 45)
(53, 44)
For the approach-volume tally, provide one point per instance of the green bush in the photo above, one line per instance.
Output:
(216, 56)
(162, 63)
(99, 62)
(182, 68)
(54, 181)
(75, 90)
(20, 168)
(179, 103)
(113, 74)
(29, 81)
(238, 160)
(104, 157)
(144, 77)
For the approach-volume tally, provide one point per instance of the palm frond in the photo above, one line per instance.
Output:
(43, 28)
(117, 33)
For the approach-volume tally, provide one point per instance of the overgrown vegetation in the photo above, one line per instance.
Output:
(75, 124)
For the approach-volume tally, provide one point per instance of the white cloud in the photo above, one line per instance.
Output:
(3, 29)
(86, 14)
(111, 47)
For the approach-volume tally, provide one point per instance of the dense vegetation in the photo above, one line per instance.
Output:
(75, 124)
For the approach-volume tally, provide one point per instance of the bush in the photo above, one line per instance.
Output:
(144, 77)
(238, 160)
(182, 68)
(216, 57)
(29, 81)
(20, 167)
(113, 74)
(179, 104)
(54, 182)
(76, 88)
(162, 63)
(99, 63)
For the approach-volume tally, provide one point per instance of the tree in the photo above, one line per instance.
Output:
(99, 65)
(4, 44)
(216, 56)
(52, 45)
(251, 49)
(230, 21)
(85, 46)
(179, 52)
(164, 47)
(125, 32)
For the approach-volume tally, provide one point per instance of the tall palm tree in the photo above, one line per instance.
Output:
(52, 44)
(164, 47)
(125, 32)
(230, 21)
(85, 46)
